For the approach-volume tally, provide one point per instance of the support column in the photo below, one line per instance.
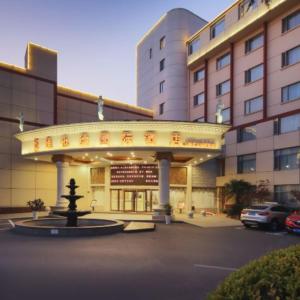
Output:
(164, 159)
(189, 187)
(62, 166)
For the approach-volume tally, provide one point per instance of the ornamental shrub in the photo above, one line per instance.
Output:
(275, 276)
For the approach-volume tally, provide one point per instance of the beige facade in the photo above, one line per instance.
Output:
(33, 90)
(263, 22)
(247, 60)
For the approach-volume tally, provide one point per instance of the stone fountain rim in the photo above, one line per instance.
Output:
(91, 230)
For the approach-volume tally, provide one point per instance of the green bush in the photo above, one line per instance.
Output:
(235, 210)
(275, 276)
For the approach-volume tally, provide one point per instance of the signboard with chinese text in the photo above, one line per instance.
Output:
(134, 174)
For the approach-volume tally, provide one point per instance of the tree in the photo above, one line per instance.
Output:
(262, 192)
(241, 190)
(238, 189)
(296, 195)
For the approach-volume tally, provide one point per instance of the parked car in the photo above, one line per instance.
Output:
(292, 222)
(268, 214)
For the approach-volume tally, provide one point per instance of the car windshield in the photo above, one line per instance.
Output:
(258, 207)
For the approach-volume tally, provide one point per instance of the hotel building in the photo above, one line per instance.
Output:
(170, 147)
(247, 61)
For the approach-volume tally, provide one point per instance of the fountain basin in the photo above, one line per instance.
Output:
(57, 227)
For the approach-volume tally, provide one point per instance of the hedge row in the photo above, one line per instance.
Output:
(275, 276)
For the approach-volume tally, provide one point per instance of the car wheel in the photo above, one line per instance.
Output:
(274, 225)
(247, 225)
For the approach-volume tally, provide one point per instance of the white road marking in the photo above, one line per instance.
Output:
(215, 267)
(239, 228)
(12, 224)
(277, 233)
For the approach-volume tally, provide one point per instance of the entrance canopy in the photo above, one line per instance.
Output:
(107, 142)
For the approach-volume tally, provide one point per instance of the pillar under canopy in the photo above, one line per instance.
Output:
(164, 159)
(62, 166)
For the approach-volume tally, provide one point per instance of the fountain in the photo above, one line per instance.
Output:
(72, 214)
(73, 226)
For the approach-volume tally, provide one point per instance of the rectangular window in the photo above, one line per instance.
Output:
(162, 43)
(161, 65)
(223, 61)
(246, 134)
(282, 193)
(247, 6)
(200, 120)
(199, 99)
(254, 73)
(226, 115)
(290, 57)
(253, 105)
(246, 163)
(161, 86)
(291, 21)
(254, 43)
(287, 124)
(194, 46)
(217, 28)
(287, 159)
(223, 88)
(161, 108)
(199, 75)
(290, 92)
(150, 53)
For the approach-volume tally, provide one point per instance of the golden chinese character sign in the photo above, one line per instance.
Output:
(65, 141)
(127, 138)
(104, 138)
(84, 139)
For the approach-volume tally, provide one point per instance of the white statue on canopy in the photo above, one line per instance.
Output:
(219, 109)
(100, 108)
(21, 121)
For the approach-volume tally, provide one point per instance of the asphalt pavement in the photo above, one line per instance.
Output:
(178, 261)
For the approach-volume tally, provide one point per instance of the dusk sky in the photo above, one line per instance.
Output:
(96, 39)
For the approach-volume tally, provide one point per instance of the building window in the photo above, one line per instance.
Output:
(199, 75)
(291, 21)
(254, 43)
(282, 193)
(246, 163)
(254, 73)
(287, 159)
(290, 92)
(161, 64)
(162, 43)
(150, 53)
(287, 124)
(246, 134)
(194, 46)
(161, 108)
(217, 28)
(199, 99)
(290, 57)
(226, 115)
(223, 61)
(161, 86)
(200, 120)
(246, 6)
(223, 88)
(253, 105)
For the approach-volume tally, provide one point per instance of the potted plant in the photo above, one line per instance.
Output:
(36, 205)
(168, 213)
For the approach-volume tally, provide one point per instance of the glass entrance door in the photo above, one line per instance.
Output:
(133, 200)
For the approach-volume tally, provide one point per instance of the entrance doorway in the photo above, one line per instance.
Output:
(132, 200)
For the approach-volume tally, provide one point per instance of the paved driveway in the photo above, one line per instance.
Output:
(175, 262)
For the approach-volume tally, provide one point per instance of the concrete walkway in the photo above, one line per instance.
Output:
(198, 220)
